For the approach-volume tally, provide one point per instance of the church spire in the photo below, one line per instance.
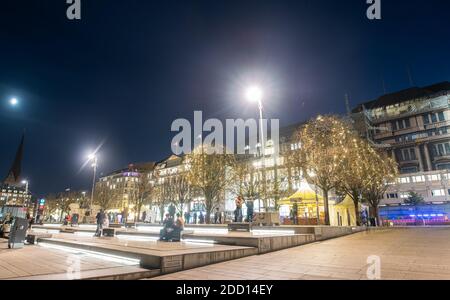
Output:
(13, 176)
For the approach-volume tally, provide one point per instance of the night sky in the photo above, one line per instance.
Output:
(122, 74)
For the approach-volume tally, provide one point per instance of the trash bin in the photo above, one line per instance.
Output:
(18, 233)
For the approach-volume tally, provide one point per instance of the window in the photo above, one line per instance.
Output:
(407, 170)
(407, 123)
(400, 124)
(435, 177)
(419, 178)
(392, 195)
(404, 195)
(442, 149)
(437, 193)
(407, 154)
(445, 166)
(433, 118)
(403, 180)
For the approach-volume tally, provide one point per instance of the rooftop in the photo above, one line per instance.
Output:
(406, 95)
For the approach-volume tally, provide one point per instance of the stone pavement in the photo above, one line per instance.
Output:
(405, 253)
(35, 262)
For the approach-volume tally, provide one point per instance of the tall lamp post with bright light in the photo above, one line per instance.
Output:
(26, 183)
(93, 158)
(255, 94)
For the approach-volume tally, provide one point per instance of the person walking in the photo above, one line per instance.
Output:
(187, 217)
(194, 221)
(100, 219)
(218, 216)
(238, 211)
(249, 205)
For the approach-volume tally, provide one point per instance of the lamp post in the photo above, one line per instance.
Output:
(93, 157)
(255, 94)
(25, 182)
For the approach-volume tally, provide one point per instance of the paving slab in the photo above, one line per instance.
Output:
(405, 253)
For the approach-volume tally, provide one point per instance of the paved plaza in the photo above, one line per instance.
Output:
(410, 253)
(36, 262)
(404, 253)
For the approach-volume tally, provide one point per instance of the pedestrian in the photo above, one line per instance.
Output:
(105, 221)
(218, 216)
(172, 211)
(202, 218)
(238, 211)
(100, 219)
(187, 216)
(249, 205)
(194, 221)
(144, 216)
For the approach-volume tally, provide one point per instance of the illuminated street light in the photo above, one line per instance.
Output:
(25, 182)
(255, 94)
(93, 158)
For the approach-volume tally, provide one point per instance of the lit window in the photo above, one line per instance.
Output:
(437, 193)
(403, 180)
(420, 178)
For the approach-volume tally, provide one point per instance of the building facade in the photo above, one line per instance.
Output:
(413, 126)
(123, 186)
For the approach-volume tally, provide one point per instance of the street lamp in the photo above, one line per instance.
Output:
(93, 158)
(255, 94)
(25, 182)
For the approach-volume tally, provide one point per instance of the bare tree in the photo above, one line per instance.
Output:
(181, 190)
(163, 194)
(105, 197)
(143, 194)
(211, 174)
(380, 174)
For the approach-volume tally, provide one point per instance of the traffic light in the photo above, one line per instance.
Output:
(41, 204)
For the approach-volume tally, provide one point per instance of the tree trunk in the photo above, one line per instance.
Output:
(376, 215)
(355, 198)
(208, 207)
(161, 212)
(357, 214)
(325, 206)
(138, 213)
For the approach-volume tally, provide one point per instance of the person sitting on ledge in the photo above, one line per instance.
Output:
(167, 229)
(177, 228)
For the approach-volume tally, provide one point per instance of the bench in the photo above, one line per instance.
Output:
(108, 231)
(32, 238)
(115, 225)
(130, 225)
(239, 227)
(67, 230)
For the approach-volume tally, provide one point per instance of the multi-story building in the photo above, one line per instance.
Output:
(413, 126)
(123, 185)
(17, 195)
